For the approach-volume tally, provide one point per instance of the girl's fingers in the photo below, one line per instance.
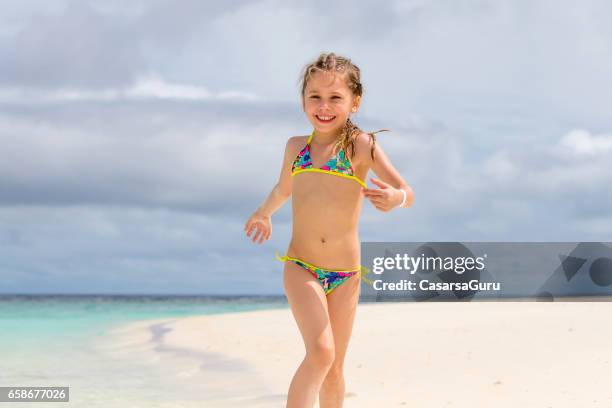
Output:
(264, 235)
(377, 198)
(369, 195)
(261, 229)
(376, 201)
(257, 234)
(383, 197)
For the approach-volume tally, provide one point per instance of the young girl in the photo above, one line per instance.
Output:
(322, 279)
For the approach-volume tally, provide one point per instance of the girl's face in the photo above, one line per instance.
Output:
(328, 101)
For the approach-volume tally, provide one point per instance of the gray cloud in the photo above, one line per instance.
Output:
(80, 47)
(92, 45)
(189, 156)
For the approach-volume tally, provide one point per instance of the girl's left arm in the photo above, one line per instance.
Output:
(392, 186)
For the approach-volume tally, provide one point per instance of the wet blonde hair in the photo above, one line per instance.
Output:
(337, 64)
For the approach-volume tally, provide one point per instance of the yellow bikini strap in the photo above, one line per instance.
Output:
(310, 138)
(288, 258)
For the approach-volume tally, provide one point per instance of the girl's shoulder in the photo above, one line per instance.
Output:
(295, 144)
(297, 141)
(363, 144)
(363, 140)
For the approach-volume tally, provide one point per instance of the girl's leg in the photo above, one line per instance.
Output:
(309, 307)
(342, 305)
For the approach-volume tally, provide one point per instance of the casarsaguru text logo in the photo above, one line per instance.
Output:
(424, 284)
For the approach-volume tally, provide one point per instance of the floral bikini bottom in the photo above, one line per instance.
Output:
(329, 279)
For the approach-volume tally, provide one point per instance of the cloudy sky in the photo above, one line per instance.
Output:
(137, 137)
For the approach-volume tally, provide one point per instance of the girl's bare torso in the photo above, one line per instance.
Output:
(326, 210)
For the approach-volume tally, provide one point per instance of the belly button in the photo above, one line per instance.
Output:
(323, 240)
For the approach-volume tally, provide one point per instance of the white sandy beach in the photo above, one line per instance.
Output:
(483, 354)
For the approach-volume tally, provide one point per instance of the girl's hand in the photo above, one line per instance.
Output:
(384, 198)
(261, 224)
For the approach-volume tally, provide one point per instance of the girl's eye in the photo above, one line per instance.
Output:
(317, 97)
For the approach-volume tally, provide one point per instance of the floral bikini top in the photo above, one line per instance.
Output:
(338, 165)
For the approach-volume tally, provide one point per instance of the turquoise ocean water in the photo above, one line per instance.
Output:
(47, 341)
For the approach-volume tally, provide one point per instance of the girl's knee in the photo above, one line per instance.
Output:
(322, 354)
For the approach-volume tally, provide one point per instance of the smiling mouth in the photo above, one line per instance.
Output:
(325, 118)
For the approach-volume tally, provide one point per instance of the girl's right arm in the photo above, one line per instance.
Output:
(261, 219)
